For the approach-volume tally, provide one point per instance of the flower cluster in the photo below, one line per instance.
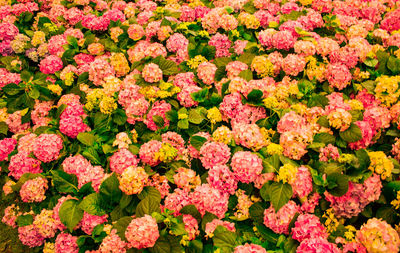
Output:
(198, 126)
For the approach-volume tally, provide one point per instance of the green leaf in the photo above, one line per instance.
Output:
(246, 58)
(256, 212)
(166, 244)
(246, 74)
(24, 220)
(255, 96)
(222, 61)
(382, 57)
(371, 62)
(339, 182)
(183, 124)
(197, 142)
(356, 115)
(200, 96)
(109, 191)
(387, 213)
(324, 138)
(168, 67)
(192, 210)
(249, 7)
(12, 89)
(34, 93)
(207, 217)
(151, 192)
(158, 120)
(91, 204)
(3, 128)
(317, 100)
(352, 134)
(195, 117)
(70, 213)
(43, 20)
(369, 85)
(25, 76)
(279, 194)
(72, 41)
(64, 182)
(86, 138)
(121, 226)
(224, 239)
(148, 205)
(91, 154)
(264, 191)
(267, 234)
(393, 64)
(363, 159)
(119, 117)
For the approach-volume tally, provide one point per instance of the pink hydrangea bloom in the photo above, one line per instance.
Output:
(367, 135)
(121, 160)
(302, 185)
(152, 73)
(211, 226)
(308, 226)
(222, 178)
(185, 98)
(214, 153)
(29, 236)
(191, 226)
(147, 152)
(34, 190)
(142, 232)
(7, 145)
(249, 248)
(51, 64)
(357, 197)
(90, 221)
(206, 72)
(66, 243)
(159, 109)
(279, 221)
(46, 147)
(246, 166)
(206, 198)
(378, 236)
(316, 245)
(21, 164)
(112, 243)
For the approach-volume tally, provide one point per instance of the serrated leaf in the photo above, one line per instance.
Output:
(109, 192)
(352, 134)
(158, 120)
(70, 213)
(246, 74)
(121, 226)
(64, 182)
(147, 205)
(195, 117)
(279, 194)
(86, 138)
(225, 240)
(192, 210)
(3, 128)
(324, 138)
(91, 204)
(24, 220)
(340, 182)
(197, 142)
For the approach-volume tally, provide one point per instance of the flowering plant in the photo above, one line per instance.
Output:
(200, 126)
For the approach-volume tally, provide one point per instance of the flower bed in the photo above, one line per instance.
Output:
(224, 126)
